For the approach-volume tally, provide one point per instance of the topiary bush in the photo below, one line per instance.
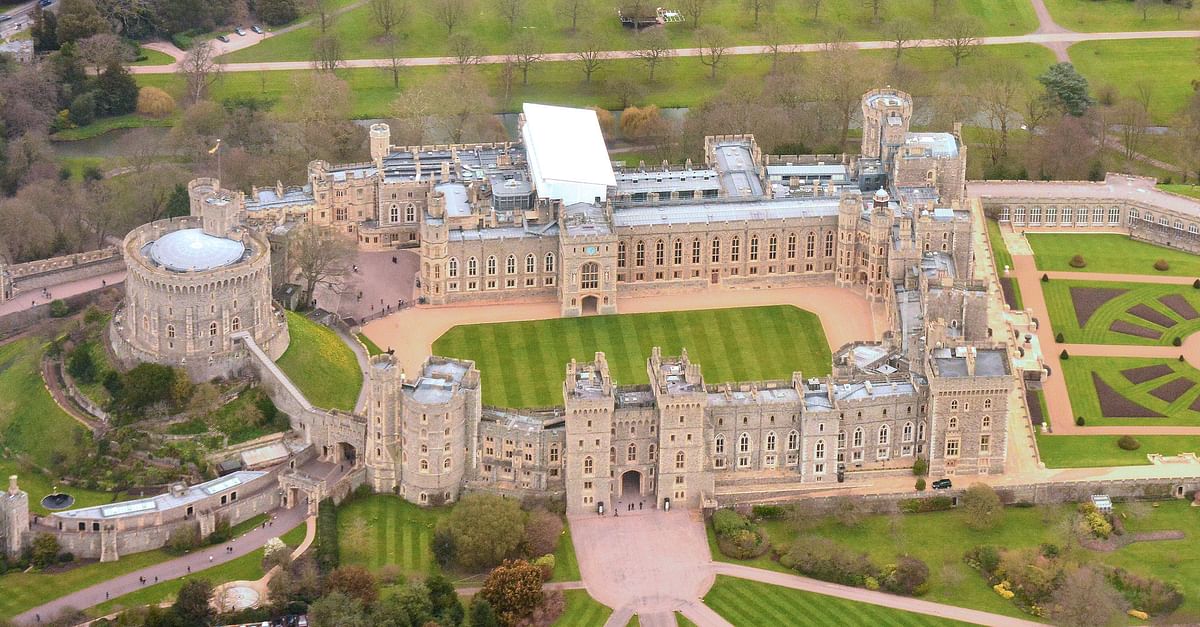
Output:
(1177, 342)
(1128, 443)
(1078, 262)
(1196, 284)
(920, 484)
(1079, 421)
(1060, 338)
(1045, 278)
(1064, 354)
(921, 467)
(1161, 265)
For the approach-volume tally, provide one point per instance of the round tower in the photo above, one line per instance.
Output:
(886, 114)
(383, 412)
(381, 143)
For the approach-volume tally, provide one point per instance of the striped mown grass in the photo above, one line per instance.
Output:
(749, 603)
(392, 531)
(582, 609)
(522, 363)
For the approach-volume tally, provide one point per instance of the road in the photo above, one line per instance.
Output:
(21, 17)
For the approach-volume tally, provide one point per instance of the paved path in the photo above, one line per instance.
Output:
(28, 299)
(285, 521)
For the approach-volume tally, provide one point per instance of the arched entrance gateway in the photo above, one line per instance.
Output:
(589, 305)
(631, 486)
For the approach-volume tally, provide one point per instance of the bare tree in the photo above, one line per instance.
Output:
(899, 31)
(875, 7)
(590, 56)
(815, 5)
(388, 14)
(511, 11)
(694, 10)
(757, 7)
(98, 51)
(1035, 109)
(573, 11)
(321, 256)
(638, 11)
(960, 37)
(465, 51)
(1085, 598)
(774, 37)
(450, 13)
(653, 49)
(840, 76)
(1133, 119)
(935, 9)
(625, 89)
(433, 109)
(1144, 92)
(1187, 136)
(199, 69)
(1144, 7)
(527, 50)
(713, 42)
(327, 52)
(999, 95)
(324, 12)
(393, 63)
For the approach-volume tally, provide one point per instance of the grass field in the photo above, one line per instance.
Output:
(680, 82)
(1108, 252)
(1094, 16)
(940, 539)
(744, 602)
(1085, 402)
(38, 485)
(154, 57)
(1094, 451)
(566, 565)
(1063, 318)
(682, 621)
(372, 347)
(582, 609)
(104, 125)
(30, 422)
(359, 36)
(522, 363)
(23, 591)
(397, 532)
(321, 364)
(1167, 66)
(1001, 258)
(1186, 190)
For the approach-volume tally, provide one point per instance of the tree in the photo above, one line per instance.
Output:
(320, 102)
(694, 10)
(775, 37)
(44, 29)
(450, 13)
(327, 52)
(355, 582)
(639, 11)
(640, 125)
(81, 365)
(465, 50)
(155, 102)
(757, 7)
(414, 599)
(321, 256)
(388, 14)
(192, 602)
(482, 614)
(589, 55)
(960, 36)
(1066, 89)
(102, 49)
(393, 62)
(542, 532)
(514, 590)
(1085, 598)
(653, 48)
(445, 606)
(713, 43)
(982, 507)
(116, 90)
(486, 530)
(434, 109)
(527, 50)
(336, 610)
(625, 89)
(875, 7)
(899, 31)
(45, 550)
(1133, 119)
(909, 577)
(511, 11)
(323, 12)
(276, 12)
(1187, 137)
(78, 19)
(199, 69)
(573, 11)
(999, 93)
(815, 5)
(840, 76)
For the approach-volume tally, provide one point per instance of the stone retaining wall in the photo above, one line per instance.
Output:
(35, 275)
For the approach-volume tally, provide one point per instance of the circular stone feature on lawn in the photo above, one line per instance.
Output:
(57, 501)
(239, 598)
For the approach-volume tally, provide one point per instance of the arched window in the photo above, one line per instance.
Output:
(735, 249)
(530, 264)
(589, 276)
(987, 422)
(793, 442)
(678, 256)
(424, 465)
(952, 423)
(235, 324)
(639, 254)
(791, 246)
(716, 250)
(651, 452)
(631, 454)
(424, 448)
(819, 450)
(744, 443)
(720, 444)
(212, 328)
(987, 403)
(452, 267)
(620, 254)
(810, 245)
(907, 432)
(510, 264)
(772, 247)
(612, 455)
(395, 214)
(954, 405)
(858, 433)
(491, 265)
(771, 441)
(921, 430)
(437, 271)
(659, 253)
(696, 250)
(472, 266)
(171, 331)
(549, 265)
(884, 435)
(841, 439)
(829, 244)
(754, 248)
(587, 465)
(446, 464)
(679, 459)
(410, 213)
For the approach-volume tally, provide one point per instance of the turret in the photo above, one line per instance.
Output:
(220, 210)
(886, 116)
(381, 143)
(14, 518)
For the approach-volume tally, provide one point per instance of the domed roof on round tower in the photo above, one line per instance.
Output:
(194, 250)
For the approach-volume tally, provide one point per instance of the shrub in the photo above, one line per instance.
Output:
(920, 484)
(59, 308)
(542, 532)
(183, 539)
(83, 109)
(222, 532)
(982, 506)
(985, 558)
(1150, 595)
(45, 550)
(1045, 278)
(1128, 443)
(546, 563)
(1196, 284)
(1064, 355)
(1096, 524)
(443, 546)
(1161, 265)
(487, 529)
(727, 522)
(155, 102)
(1060, 338)
(743, 544)
(768, 512)
(327, 554)
(926, 504)
(81, 365)
(1078, 262)
(514, 590)
(824, 559)
(1177, 342)
(908, 576)
(921, 467)
(1079, 421)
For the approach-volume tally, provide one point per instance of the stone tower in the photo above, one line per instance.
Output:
(14, 518)
(220, 210)
(886, 113)
(590, 403)
(969, 387)
(383, 452)
(381, 143)
(438, 423)
(879, 241)
(684, 470)
(435, 234)
(849, 209)
(588, 254)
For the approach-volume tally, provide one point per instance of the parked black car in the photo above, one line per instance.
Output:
(942, 484)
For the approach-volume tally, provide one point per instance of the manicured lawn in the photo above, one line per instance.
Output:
(1085, 401)
(745, 602)
(1125, 64)
(23, 591)
(245, 568)
(38, 485)
(1186, 190)
(1120, 15)
(104, 125)
(1112, 253)
(359, 36)
(397, 532)
(31, 423)
(154, 57)
(1002, 259)
(582, 609)
(321, 364)
(679, 83)
(566, 566)
(372, 347)
(1092, 451)
(682, 621)
(1063, 316)
(522, 363)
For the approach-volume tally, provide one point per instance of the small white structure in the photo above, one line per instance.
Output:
(567, 155)
(1102, 503)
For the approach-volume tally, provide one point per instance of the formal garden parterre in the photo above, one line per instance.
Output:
(1112, 253)
(1130, 391)
(1100, 312)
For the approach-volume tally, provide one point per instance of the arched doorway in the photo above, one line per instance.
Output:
(346, 453)
(631, 485)
(589, 305)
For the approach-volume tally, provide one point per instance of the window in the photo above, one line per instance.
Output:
(819, 450)
(829, 244)
(985, 444)
(235, 324)
(170, 331)
(754, 248)
(953, 405)
(744, 443)
(719, 447)
(858, 436)
(921, 431)
(587, 465)
(884, 435)
(987, 422)
(952, 447)
(772, 247)
(491, 266)
(810, 245)
(410, 213)
(952, 423)
(639, 254)
(679, 459)
(793, 442)
(424, 465)
(841, 441)
(735, 249)
(716, 250)
(791, 246)
(659, 253)
(548, 266)
(472, 267)
(452, 267)
(987, 403)
(632, 454)
(651, 452)
(212, 328)
(621, 254)
(907, 432)
(589, 276)
(771, 441)
(446, 464)
(395, 214)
